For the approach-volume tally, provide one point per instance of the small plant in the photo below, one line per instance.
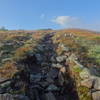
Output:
(77, 69)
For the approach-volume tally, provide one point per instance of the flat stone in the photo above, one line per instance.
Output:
(87, 83)
(35, 77)
(52, 87)
(5, 84)
(96, 95)
(60, 58)
(44, 84)
(57, 65)
(3, 79)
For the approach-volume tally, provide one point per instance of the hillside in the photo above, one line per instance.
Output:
(50, 65)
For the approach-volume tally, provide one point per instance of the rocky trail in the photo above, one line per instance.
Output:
(45, 76)
(50, 82)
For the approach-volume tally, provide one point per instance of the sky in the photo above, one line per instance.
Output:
(55, 14)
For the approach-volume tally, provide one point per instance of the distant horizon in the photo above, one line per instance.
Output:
(82, 29)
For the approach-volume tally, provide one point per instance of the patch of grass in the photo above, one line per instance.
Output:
(83, 93)
(7, 70)
(94, 52)
(77, 69)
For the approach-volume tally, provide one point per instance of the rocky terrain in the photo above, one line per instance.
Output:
(50, 65)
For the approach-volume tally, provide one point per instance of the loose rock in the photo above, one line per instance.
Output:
(96, 95)
(49, 96)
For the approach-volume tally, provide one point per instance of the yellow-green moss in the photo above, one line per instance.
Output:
(83, 93)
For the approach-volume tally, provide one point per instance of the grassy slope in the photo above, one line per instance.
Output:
(85, 44)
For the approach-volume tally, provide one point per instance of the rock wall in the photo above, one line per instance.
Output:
(86, 80)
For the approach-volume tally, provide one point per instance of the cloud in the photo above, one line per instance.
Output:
(42, 16)
(67, 21)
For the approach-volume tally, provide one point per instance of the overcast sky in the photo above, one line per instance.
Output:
(56, 14)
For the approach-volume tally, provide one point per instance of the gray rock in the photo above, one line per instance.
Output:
(63, 70)
(6, 59)
(49, 96)
(61, 78)
(64, 48)
(78, 64)
(39, 58)
(19, 84)
(97, 83)
(6, 97)
(2, 80)
(61, 58)
(35, 77)
(57, 65)
(44, 84)
(87, 83)
(1, 44)
(53, 59)
(85, 74)
(53, 73)
(50, 80)
(40, 47)
(95, 70)
(20, 97)
(96, 95)
(5, 84)
(52, 87)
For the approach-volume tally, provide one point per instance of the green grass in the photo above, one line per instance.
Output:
(94, 52)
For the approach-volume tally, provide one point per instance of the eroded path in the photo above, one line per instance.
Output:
(46, 76)
(49, 79)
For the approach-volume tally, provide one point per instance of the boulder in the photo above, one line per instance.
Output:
(96, 95)
(87, 83)
(85, 74)
(97, 83)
